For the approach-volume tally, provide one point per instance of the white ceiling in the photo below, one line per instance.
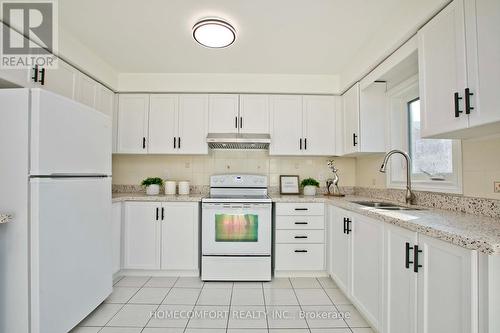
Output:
(273, 36)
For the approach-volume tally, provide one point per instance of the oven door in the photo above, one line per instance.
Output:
(236, 229)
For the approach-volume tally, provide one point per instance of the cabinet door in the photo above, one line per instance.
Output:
(286, 125)
(447, 288)
(483, 59)
(367, 249)
(133, 123)
(18, 77)
(86, 91)
(179, 246)
(319, 125)
(105, 100)
(141, 241)
(254, 114)
(442, 71)
(116, 236)
(340, 249)
(223, 113)
(62, 80)
(193, 124)
(351, 119)
(401, 282)
(163, 122)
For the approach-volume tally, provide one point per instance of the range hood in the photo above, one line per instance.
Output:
(238, 141)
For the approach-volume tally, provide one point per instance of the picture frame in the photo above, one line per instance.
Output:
(289, 184)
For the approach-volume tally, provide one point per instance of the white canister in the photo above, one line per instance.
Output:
(170, 187)
(153, 189)
(310, 190)
(183, 187)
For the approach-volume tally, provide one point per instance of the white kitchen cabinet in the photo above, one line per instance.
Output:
(105, 100)
(459, 69)
(364, 114)
(18, 77)
(223, 113)
(86, 90)
(116, 236)
(340, 249)
(286, 125)
(447, 288)
(192, 124)
(133, 123)
(179, 244)
(254, 114)
(367, 266)
(142, 235)
(401, 281)
(319, 125)
(62, 80)
(163, 119)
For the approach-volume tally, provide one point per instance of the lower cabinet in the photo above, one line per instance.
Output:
(161, 236)
(116, 236)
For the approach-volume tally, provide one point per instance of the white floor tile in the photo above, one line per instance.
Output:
(101, 315)
(189, 282)
(150, 296)
(312, 297)
(362, 330)
(215, 297)
(121, 330)
(209, 317)
(187, 296)
(121, 294)
(161, 282)
(247, 317)
(246, 330)
(298, 330)
(218, 285)
(330, 330)
(337, 296)
(355, 319)
(247, 297)
(133, 315)
(305, 282)
(323, 317)
(162, 330)
(132, 281)
(285, 317)
(175, 316)
(274, 296)
(277, 283)
(205, 330)
(248, 285)
(327, 282)
(85, 330)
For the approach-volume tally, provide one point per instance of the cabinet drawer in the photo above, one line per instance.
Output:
(300, 222)
(300, 236)
(300, 257)
(300, 209)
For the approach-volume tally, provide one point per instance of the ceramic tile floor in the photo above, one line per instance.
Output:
(296, 305)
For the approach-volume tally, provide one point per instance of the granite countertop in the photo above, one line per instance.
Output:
(465, 230)
(4, 218)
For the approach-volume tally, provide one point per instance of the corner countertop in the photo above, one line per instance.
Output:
(4, 218)
(469, 231)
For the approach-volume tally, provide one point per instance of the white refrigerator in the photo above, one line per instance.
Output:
(55, 179)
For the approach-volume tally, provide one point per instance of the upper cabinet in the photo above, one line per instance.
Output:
(459, 69)
(61, 80)
(132, 123)
(192, 124)
(223, 113)
(254, 114)
(364, 114)
(302, 125)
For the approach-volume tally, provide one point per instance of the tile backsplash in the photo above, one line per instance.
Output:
(132, 169)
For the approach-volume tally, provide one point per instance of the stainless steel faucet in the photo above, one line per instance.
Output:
(409, 194)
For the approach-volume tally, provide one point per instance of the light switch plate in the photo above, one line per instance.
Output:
(497, 187)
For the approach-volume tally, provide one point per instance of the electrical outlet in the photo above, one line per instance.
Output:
(497, 187)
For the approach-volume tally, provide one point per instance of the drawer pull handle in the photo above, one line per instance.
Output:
(301, 223)
(300, 251)
(300, 237)
(301, 208)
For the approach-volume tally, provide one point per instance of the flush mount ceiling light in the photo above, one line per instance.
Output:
(214, 33)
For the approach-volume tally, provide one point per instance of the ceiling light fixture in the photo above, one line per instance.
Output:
(214, 33)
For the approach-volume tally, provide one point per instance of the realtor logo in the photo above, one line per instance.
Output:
(29, 34)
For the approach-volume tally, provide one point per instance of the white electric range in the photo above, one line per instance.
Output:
(236, 229)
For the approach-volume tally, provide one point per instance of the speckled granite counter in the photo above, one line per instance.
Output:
(465, 230)
(118, 197)
(4, 218)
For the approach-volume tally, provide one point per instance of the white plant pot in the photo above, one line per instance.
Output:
(153, 189)
(309, 190)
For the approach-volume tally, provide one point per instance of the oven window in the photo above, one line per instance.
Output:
(236, 227)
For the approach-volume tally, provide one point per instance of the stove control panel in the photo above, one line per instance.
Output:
(238, 180)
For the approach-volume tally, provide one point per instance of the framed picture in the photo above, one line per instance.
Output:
(289, 184)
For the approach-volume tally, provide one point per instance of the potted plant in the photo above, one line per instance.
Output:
(152, 185)
(309, 185)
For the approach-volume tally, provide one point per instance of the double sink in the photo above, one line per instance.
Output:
(384, 205)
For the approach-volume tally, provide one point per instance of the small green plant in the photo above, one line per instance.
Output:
(309, 182)
(152, 181)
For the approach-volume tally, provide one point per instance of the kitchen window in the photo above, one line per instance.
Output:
(436, 163)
